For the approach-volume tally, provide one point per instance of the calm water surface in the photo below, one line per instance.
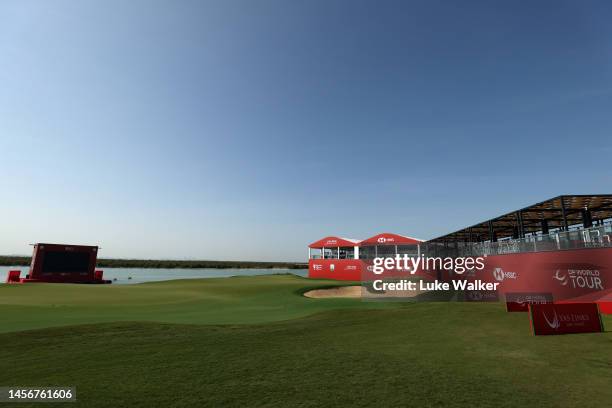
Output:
(140, 275)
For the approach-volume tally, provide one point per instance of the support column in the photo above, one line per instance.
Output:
(356, 252)
(338, 255)
(544, 224)
(515, 232)
(521, 226)
(564, 214)
(587, 220)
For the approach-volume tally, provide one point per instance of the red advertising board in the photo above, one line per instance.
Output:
(339, 269)
(605, 307)
(519, 302)
(564, 274)
(565, 318)
(358, 270)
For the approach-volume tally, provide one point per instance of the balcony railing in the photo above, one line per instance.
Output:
(594, 237)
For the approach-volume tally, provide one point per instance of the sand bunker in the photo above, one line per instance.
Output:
(341, 292)
(355, 292)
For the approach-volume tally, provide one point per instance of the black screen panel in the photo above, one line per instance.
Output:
(66, 262)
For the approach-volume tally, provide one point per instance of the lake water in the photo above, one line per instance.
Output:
(140, 275)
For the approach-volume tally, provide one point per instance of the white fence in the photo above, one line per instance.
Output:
(595, 237)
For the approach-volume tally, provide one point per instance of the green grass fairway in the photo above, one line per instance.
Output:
(238, 300)
(257, 342)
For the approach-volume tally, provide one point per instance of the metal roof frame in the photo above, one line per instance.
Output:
(558, 212)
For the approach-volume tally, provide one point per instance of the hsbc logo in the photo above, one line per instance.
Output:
(579, 278)
(500, 275)
(381, 240)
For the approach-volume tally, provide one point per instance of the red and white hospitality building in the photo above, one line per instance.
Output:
(560, 247)
(347, 259)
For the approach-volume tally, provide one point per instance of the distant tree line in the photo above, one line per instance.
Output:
(154, 263)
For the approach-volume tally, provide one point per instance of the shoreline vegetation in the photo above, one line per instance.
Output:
(168, 264)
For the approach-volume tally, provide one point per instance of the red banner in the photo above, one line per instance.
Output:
(551, 319)
(338, 269)
(519, 302)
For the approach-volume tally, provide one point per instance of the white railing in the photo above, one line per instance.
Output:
(594, 237)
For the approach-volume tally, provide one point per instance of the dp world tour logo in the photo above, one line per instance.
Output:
(579, 278)
(562, 278)
(554, 324)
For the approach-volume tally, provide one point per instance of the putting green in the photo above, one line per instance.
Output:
(238, 300)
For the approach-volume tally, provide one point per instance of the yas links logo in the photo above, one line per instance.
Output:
(554, 324)
(579, 278)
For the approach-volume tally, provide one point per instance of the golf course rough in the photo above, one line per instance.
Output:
(256, 341)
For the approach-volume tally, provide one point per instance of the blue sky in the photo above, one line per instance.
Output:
(247, 129)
